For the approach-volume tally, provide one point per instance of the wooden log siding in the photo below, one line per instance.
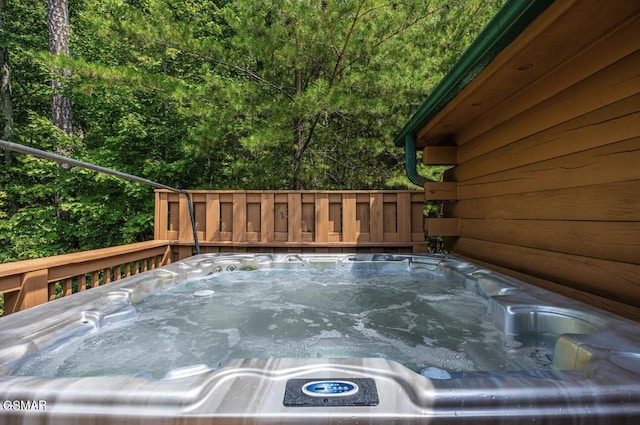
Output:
(546, 183)
(32, 282)
(527, 193)
(294, 220)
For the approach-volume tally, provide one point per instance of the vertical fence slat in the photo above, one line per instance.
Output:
(239, 217)
(389, 220)
(212, 219)
(376, 229)
(267, 215)
(226, 217)
(404, 216)
(335, 217)
(308, 216)
(363, 221)
(106, 275)
(156, 216)
(281, 219)
(348, 217)
(294, 214)
(95, 279)
(417, 219)
(174, 214)
(254, 218)
(200, 214)
(322, 217)
(161, 222)
(67, 287)
(185, 232)
(82, 282)
(52, 291)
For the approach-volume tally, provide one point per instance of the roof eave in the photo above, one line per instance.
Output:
(504, 27)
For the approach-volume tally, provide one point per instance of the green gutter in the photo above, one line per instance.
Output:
(506, 25)
(410, 162)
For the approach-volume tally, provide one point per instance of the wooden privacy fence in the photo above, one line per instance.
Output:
(270, 221)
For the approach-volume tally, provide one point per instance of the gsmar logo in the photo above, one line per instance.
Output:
(24, 405)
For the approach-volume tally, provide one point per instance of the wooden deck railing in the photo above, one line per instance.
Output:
(32, 282)
(274, 221)
(269, 221)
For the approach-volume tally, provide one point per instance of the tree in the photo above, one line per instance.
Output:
(308, 90)
(320, 76)
(58, 27)
(5, 89)
(212, 94)
(7, 104)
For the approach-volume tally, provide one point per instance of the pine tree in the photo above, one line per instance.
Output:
(58, 27)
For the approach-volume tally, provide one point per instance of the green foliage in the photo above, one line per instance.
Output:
(218, 94)
(283, 93)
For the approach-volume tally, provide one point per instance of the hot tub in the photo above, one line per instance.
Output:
(230, 338)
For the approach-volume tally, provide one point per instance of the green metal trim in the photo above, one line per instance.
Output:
(411, 163)
(505, 26)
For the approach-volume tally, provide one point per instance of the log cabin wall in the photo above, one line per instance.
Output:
(546, 147)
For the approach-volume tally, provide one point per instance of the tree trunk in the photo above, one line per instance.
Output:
(7, 102)
(7, 110)
(298, 140)
(58, 26)
(5, 89)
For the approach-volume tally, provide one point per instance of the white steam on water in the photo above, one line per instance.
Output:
(411, 317)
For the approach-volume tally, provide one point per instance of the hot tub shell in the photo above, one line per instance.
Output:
(595, 375)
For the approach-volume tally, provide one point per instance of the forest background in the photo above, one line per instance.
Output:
(208, 94)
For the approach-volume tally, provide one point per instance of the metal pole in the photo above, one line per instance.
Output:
(65, 160)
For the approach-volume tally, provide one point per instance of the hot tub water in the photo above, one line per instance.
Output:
(411, 317)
